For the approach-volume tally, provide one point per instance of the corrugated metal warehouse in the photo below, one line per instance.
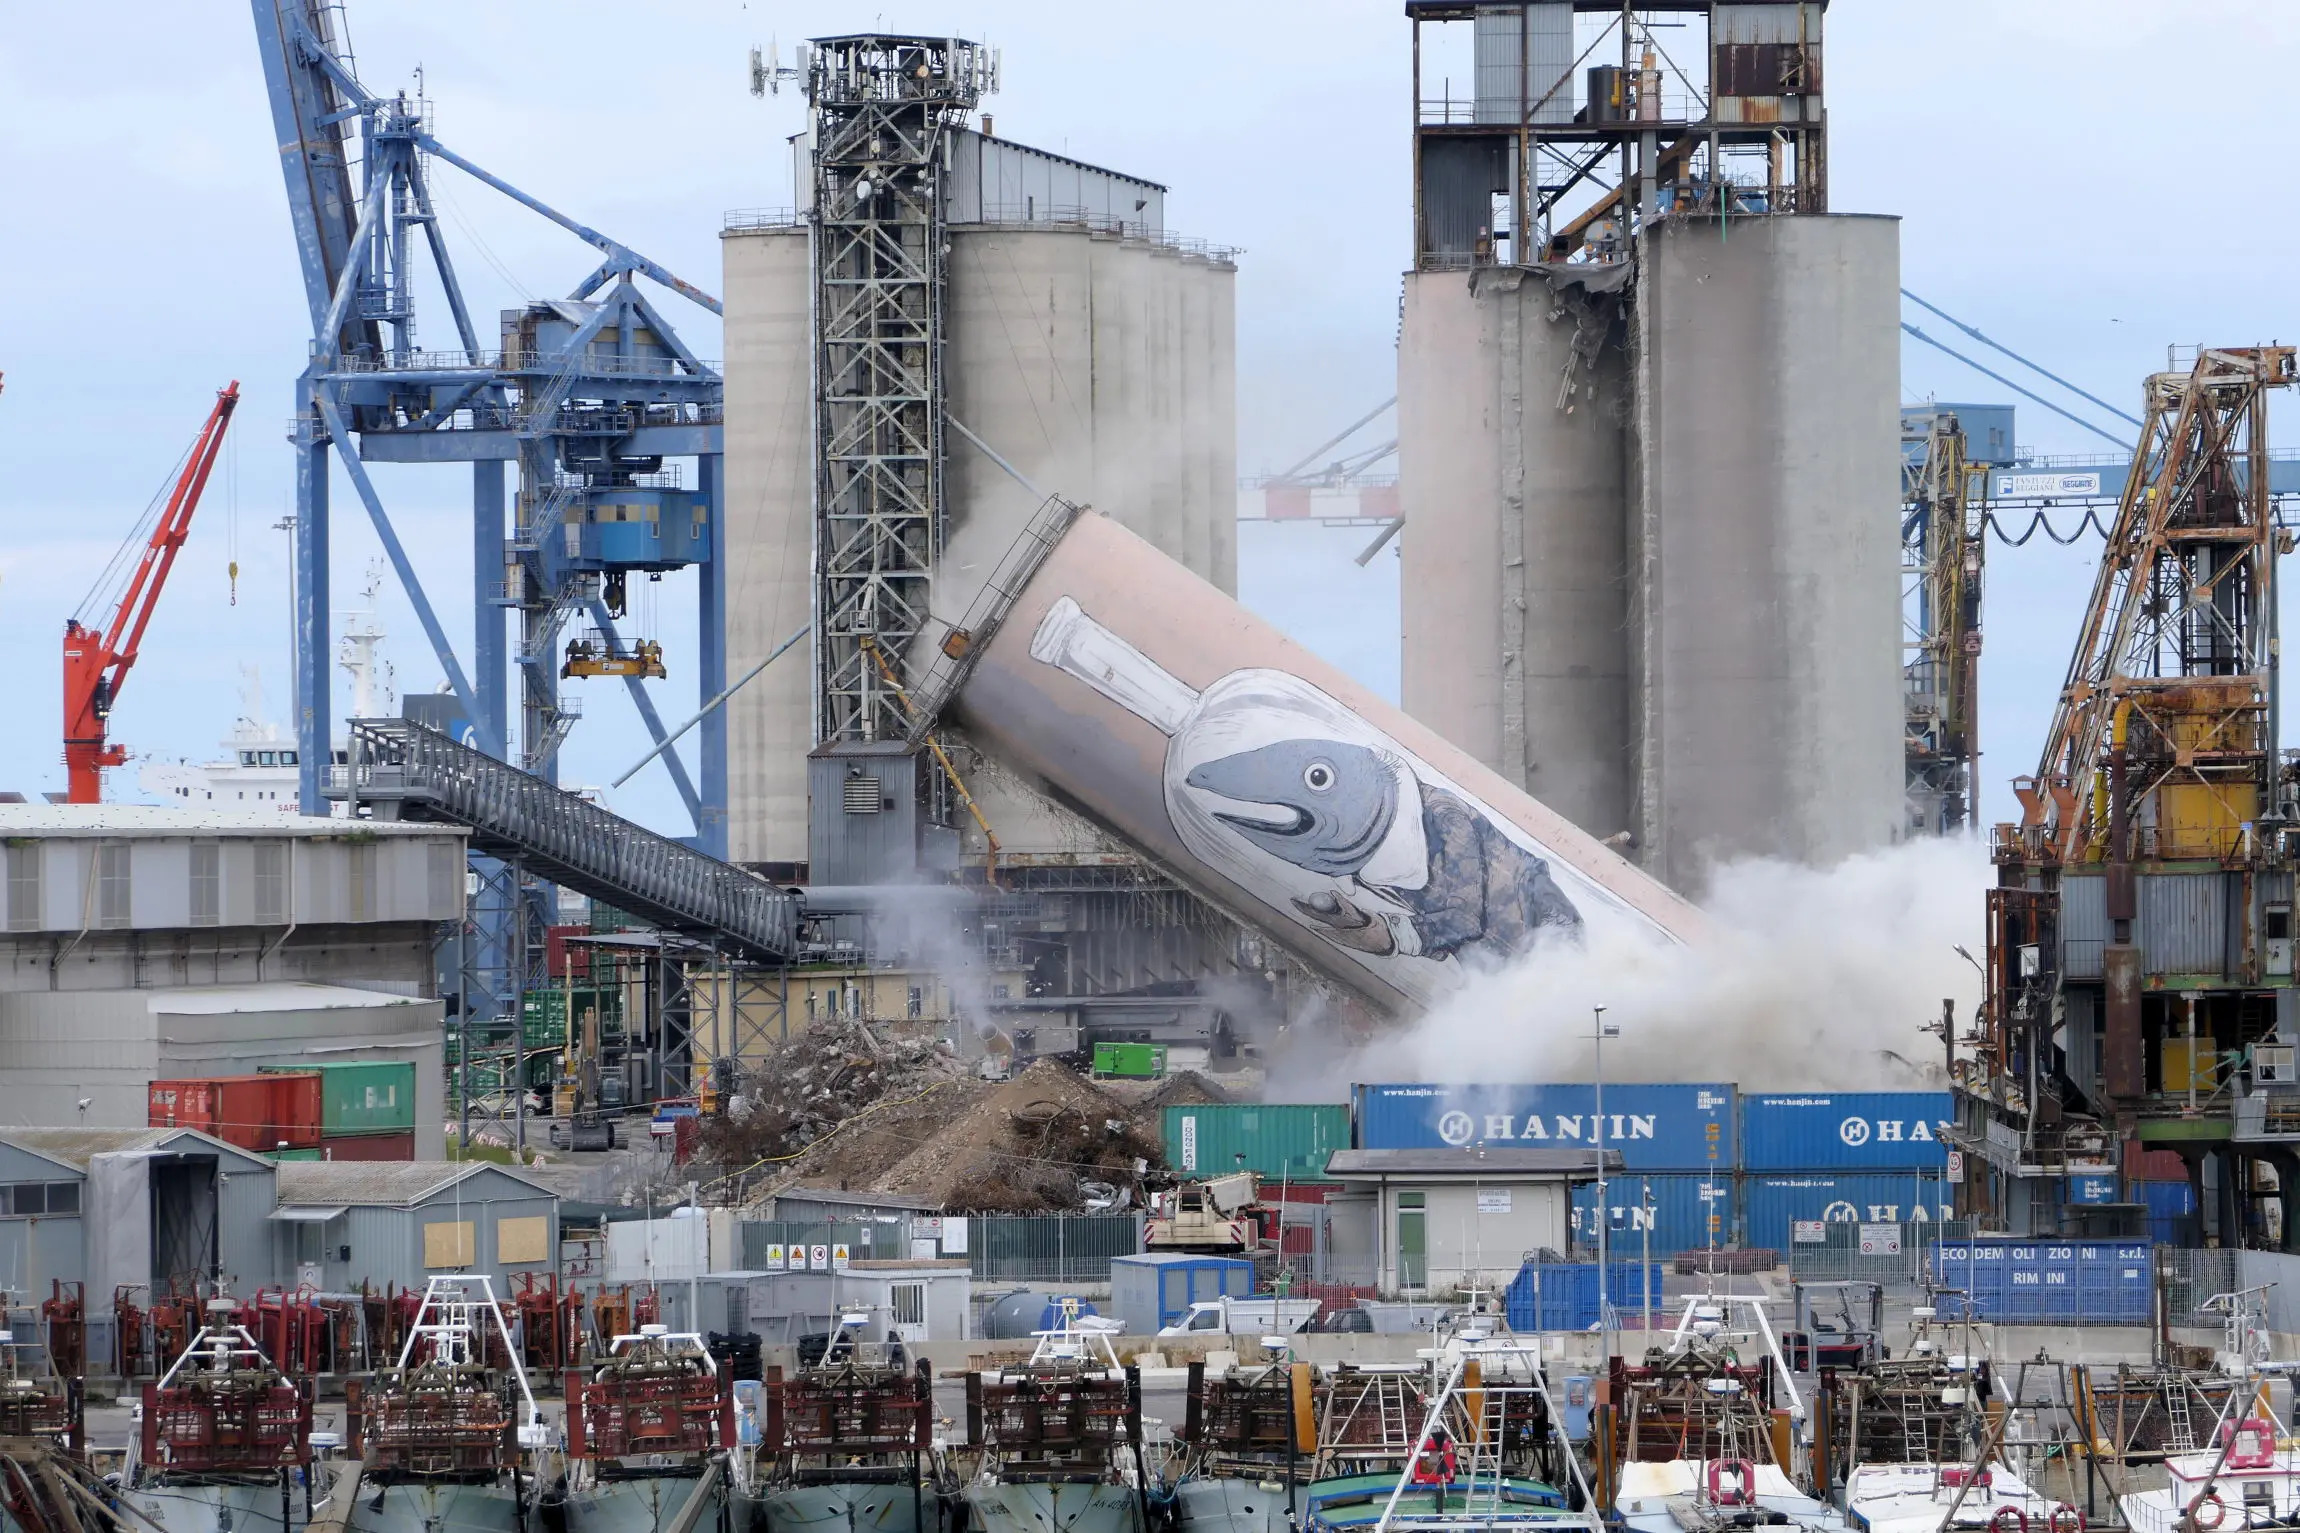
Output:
(379, 1222)
(1088, 346)
(152, 1209)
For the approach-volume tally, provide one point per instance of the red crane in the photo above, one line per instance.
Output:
(97, 661)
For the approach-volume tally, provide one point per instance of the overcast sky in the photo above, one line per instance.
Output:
(2088, 180)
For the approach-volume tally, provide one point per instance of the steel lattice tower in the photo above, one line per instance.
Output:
(880, 107)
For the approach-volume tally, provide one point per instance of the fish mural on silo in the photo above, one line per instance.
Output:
(1278, 784)
(1277, 788)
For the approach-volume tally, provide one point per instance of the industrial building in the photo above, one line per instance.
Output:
(941, 335)
(342, 1224)
(1648, 447)
(1454, 1217)
(2140, 1006)
(156, 943)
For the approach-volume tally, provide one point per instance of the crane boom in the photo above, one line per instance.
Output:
(97, 661)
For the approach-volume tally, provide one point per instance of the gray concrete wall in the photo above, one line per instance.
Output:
(770, 538)
(1766, 629)
(394, 956)
(1512, 401)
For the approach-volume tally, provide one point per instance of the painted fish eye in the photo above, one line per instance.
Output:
(1318, 776)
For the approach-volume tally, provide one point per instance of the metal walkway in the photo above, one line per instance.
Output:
(401, 770)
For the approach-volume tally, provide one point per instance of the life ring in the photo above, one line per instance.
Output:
(1742, 1492)
(2251, 1443)
(2065, 1518)
(2009, 1519)
(2196, 1511)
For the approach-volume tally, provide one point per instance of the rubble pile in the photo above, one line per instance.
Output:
(825, 1077)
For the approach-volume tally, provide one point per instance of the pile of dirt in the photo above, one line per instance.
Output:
(1046, 1141)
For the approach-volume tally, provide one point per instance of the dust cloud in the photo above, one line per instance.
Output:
(1809, 980)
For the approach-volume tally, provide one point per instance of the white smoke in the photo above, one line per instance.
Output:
(1810, 979)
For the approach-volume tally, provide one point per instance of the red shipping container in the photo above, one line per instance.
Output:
(398, 1146)
(255, 1112)
(563, 960)
(2146, 1165)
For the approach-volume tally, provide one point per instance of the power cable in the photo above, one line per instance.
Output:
(2017, 357)
(1988, 372)
(2040, 523)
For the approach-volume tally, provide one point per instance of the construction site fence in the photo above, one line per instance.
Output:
(771, 1245)
(1049, 1248)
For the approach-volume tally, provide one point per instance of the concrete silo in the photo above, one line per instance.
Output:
(1648, 452)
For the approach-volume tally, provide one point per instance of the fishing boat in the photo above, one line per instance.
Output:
(843, 1443)
(444, 1441)
(1707, 1431)
(2246, 1478)
(1246, 1447)
(1489, 1453)
(1060, 1437)
(1934, 1498)
(222, 1435)
(648, 1432)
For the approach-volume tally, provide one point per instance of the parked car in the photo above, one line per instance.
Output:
(1333, 1322)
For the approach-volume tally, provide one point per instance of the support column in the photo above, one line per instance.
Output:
(488, 653)
(2193, 1162)
(2230, 1209)
(314, 719)
(711, 659)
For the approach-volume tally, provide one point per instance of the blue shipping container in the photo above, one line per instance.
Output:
(1773, 1206)
(1680, 1212)
(2171, 1212)
(2092, 1187)
(2051, 1282)
(1844, 1130)
(1562, 1296)
(1156, 1289)
(1656, 1128)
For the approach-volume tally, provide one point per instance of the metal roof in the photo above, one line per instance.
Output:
(1468, 1162)
(76, 1146)
(272, 995)
(385, 1183)
(134, 820)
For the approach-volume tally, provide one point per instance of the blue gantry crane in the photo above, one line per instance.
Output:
(588, 396)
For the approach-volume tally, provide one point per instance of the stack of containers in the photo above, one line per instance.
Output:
(365, 1111)
(2159, 1179)
(1815, 1157)
(1675, 1141)
(277, 1115)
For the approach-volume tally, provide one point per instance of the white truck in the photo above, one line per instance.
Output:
(1244, 1317)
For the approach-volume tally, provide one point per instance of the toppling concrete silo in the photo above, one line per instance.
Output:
(1648, 452)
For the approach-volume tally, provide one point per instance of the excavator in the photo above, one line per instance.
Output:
(97, 660)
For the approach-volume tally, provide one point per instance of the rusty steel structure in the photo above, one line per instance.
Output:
(1692, 1404)
(657, 1394)
(1943, 553)
(1054, 1422)
(1368, 1419)
(1252, 1422)
(224, 1407)
(2139, 973)
(860, 1414)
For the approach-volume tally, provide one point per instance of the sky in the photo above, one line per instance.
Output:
(2084, 179)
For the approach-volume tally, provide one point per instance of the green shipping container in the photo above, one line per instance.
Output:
(311, 1154)
(1280, 1141)
(1130, 1061)
(374, 1098)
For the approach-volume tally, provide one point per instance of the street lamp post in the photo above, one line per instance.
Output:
(1599, 1033)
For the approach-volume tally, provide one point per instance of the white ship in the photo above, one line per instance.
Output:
(260, 765)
